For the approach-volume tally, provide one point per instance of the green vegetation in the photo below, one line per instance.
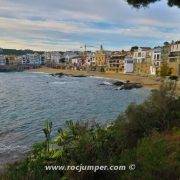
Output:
(134, 48)
(146, 135)
(18, 52)
(165, 70)
(145, 3)
(47, 131)
(102, 69)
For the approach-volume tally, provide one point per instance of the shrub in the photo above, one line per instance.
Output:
(158, 158)
(129, 139)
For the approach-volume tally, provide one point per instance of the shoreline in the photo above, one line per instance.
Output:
(147, 82)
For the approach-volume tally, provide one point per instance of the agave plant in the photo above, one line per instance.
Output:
(47, 131)
(62, 137)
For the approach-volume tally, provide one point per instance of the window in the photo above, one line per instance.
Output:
(158, 56)
(7, 61)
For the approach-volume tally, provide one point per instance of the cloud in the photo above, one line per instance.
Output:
(45, 24)
(39, 45)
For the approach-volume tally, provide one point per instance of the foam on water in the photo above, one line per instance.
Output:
(7, 149)
(62, 82)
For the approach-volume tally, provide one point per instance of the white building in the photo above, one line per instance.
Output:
(2, 60)
(140, 54)
(152, 70)
(76, 61)
(175, 46)
(128, 65)
(53, 57)
(22, 59)
(47, 57)
(56, 57)
(59, 58)
(156, 56)
(30, 59)
(33, 59)
(70, 55)
(90, 59)
(42, 59)
(174, 58)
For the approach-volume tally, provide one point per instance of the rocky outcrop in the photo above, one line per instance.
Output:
(127, 85)
(58, 74)
(70, 75)
(81, 75)
(118, 83)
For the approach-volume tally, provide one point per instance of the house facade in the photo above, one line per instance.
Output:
(90, 59)
(69, 55)
(11, 60)
(2, 60)
(174, 58)
(8, 62)
(33, 59)
(142, 60)
(156, 56)
(116, 61)
(53, 58)
(76, 62)
(101, 59)
(128, 65)
(30, 59)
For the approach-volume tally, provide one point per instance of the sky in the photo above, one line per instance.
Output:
(69, 24)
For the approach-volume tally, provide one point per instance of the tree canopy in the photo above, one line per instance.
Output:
(134, 48)
(18, 52)
(145, 3)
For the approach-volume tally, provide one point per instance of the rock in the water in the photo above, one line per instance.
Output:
(81, 75)
(139, 85)
(118, 83)
(128, 86)
(58, 74)
(70, 75)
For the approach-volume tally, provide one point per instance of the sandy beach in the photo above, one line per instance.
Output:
(149, 82)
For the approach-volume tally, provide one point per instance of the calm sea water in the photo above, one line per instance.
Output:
(28, 99)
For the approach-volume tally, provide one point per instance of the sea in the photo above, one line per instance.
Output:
(28, 99)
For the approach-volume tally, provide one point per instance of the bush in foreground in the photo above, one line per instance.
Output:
(146, 135)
